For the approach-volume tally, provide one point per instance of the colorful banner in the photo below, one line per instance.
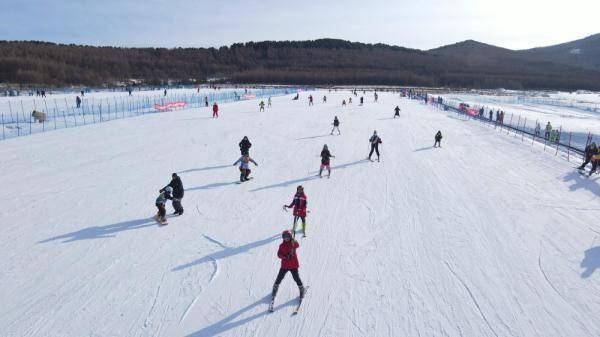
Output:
(169, 106)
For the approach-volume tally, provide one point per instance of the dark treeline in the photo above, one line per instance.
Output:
(325, 61)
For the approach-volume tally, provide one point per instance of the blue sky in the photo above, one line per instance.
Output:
(424, 24)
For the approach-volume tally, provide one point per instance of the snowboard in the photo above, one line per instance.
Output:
(240, 182)
(161, 223)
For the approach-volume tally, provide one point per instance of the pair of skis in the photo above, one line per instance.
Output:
(298, 305)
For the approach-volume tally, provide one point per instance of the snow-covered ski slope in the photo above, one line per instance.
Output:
(486, 236)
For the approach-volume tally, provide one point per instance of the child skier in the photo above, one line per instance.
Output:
(397, 112)
(336, 125)
(160, 204)
(245, 171)
(375, 141)
(299, 204)
(215, 110)
(262, 106)
(289, 262)
(325, 161)
(438, 139)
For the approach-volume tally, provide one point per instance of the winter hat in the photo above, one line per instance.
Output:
(286, 235)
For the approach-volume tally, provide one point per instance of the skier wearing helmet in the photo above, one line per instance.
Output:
(160, 204)
(299, 204)
(289, 262)
(375, 141)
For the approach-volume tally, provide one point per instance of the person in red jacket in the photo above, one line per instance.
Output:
(289, 262)
(215, 110)
(299, 204)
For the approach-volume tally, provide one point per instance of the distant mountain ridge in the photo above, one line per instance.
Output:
(467, 64)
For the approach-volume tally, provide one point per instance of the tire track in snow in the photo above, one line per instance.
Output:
(472, 298)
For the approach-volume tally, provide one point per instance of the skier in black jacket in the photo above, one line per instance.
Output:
(438, 139)
(397, 112)
(325, 161)
(245, 146)
(375, 141)
(590, 150)
(178, 191)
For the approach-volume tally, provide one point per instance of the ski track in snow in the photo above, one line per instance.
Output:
(486, 236)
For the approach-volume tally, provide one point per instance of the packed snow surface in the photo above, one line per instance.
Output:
(487, 236)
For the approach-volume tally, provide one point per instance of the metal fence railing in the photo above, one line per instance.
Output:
(28, 116)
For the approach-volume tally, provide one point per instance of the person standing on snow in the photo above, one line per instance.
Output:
(160, 204)
(375, 141)
(261, 106)
(245, 146)
(325, 161)
(397, 112)
(299, 204)
(215, 110)
(590, 151)
(206, 101)
(310, 100)
(324, 99)
(336, 125)
(548, 131)
(289, 263)
(343, 102)
(177, 191)
(438, 139)
(361, 100)
(245, 171)
(269, 102)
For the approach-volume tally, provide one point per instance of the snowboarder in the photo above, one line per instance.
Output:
(397, 112)
(262, 106)
(374, 141)
(438, 139)
(299, 204)
(177, 192)
(336, 125)
(325, 161)
(215, 110)
(78, 101)
(590, 151)
(245, 146)
(160, 204)
(245, 171)
(289, 263)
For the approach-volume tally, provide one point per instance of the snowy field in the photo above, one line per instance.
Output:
(486, 236)
(578, 113)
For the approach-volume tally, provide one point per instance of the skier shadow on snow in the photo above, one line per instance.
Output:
(205, 168)
(590, 262)
(229, 322)
(579, 181)
(103, 232)
(211, 186)
(227, 252)
(313, 137)
(424, 149)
